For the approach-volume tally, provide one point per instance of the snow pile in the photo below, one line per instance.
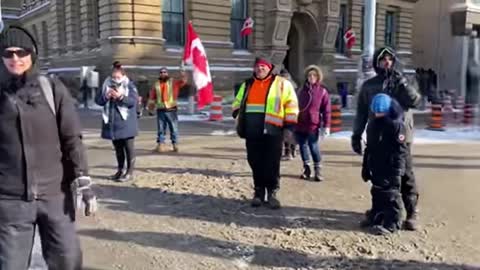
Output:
(425, 136)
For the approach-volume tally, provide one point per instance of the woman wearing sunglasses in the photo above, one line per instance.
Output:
(41, 159)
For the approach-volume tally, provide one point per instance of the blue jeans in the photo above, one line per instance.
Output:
(167, 119)
(309, 143)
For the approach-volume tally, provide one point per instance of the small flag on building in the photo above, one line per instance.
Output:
(194, 54)
(349, 38)
(247, 28)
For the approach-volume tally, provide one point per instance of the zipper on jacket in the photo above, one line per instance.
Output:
(30, 184)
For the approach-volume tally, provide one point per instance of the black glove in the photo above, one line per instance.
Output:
(366, 174)
(235, 114)
(357, 144)
(83, 195)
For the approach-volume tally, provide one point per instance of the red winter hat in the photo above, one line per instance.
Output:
(263, 61)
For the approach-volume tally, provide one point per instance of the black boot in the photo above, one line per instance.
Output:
(318, 173)
(306, 172)
(287, 155)
(293, 150)
(128, 176)
(411, 223)
(273, 201)
(117, 175)
(258, 197)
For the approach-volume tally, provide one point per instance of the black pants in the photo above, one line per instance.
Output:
(386, 207)
(125, 150)
(264, 156)
(60, 245)
(409, 186)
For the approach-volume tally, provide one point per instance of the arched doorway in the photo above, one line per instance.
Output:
(301, 38)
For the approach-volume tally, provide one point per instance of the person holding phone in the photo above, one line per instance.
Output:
(120, 123)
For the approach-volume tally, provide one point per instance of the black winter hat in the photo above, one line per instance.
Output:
(15, 36)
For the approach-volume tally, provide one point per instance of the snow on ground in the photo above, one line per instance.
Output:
(425, 136)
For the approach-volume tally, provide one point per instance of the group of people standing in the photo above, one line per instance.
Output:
(267, 107)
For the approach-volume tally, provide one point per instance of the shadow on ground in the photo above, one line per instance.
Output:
(223, 210)
(259, 255)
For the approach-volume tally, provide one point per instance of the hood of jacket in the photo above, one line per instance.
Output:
(379, 54)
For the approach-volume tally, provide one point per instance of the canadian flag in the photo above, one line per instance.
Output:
(247, 28)
(195, 55)
(349, 38)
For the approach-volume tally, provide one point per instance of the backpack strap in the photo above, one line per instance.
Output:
(47, 92)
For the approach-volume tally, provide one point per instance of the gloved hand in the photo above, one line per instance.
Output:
(366, 174)
(356, 142)
(324, 132)
(83, 195)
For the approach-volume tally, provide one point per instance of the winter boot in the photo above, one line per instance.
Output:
(318, 173)
(117, 175)
(411, 223)
(293, 150)
(306, 172)
(287, 156)
(273, 201)
(410, 202)
(381, 231)
(258, 197)
(175, 148)
(128, 176)
(160, 148)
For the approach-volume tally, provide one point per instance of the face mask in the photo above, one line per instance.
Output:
(117, 81)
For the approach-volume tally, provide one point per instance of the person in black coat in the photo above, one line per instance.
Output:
(120, 124)
(42, 159)
(384, 164)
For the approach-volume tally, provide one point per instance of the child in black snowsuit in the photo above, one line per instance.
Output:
(384, 164)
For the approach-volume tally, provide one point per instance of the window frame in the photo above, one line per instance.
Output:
(235, 31)
(391, 29)
(340, 46)
(170, 13)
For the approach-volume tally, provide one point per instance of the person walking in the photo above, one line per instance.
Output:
(289, 142)
(42, 161)
(391, 81)
(163, 96)
(120, 123)
(265, 105)
(313, 120)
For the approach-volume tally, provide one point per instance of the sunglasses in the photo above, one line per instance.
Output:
(20, 53)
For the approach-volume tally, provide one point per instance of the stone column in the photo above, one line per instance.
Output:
(72, 24)
(56, 26)
(278, 16)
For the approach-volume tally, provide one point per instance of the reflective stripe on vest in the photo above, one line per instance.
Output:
(170, 102)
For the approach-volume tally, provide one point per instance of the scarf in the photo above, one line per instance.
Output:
(122, 109)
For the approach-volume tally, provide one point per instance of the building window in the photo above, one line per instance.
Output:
(362, 29)
(238, 17)
(173, 22)
(340, 43)
(390, 29)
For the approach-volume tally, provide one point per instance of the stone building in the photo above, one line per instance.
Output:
(440, 42)
(147, 34)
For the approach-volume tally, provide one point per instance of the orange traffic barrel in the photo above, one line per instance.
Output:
(468, 114)
(436, 119)
(336, 124)
(216, 109)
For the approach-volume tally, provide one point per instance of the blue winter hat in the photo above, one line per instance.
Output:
(381, 103)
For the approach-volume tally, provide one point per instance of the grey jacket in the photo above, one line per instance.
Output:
(393, 84)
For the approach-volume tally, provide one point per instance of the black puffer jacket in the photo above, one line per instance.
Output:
(386, 148)
(40, 153)
(392, 83)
